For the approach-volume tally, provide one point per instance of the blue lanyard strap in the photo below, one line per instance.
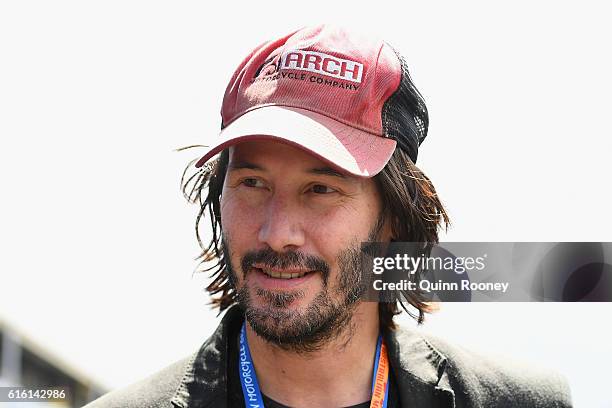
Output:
(248, 379)
(250, 386)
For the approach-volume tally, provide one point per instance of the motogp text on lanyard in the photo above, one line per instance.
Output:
(250, 386)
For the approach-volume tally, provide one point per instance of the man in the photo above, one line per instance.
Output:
(320, 133)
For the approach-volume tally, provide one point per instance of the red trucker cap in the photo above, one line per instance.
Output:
(342, 96)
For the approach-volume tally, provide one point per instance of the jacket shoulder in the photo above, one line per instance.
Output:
(479, 379)
(155, 391)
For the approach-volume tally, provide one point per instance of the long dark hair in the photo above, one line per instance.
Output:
(411, 205)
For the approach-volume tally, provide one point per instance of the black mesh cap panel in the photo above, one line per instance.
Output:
(404, 114)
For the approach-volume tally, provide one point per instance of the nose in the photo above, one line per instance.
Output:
(282, 228)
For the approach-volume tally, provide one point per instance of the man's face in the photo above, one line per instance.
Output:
(292, 230)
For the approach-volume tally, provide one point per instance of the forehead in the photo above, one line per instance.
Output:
(271, 153)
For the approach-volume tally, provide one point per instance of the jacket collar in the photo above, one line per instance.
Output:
(420, 369)
(204, 383)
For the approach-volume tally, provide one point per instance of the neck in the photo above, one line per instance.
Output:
(338, 374)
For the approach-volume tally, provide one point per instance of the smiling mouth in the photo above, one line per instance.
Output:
(276, 274)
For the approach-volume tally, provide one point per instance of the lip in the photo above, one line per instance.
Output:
(266, 282)
(261, 266)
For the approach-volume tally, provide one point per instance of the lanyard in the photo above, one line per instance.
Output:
(250, 386)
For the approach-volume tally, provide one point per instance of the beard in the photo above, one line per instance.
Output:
(327, 316)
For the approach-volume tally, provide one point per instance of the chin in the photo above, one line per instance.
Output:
(286, 301)
(292, 320)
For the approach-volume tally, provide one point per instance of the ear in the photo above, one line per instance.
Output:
(387, 231)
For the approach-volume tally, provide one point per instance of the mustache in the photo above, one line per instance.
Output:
(284, 260)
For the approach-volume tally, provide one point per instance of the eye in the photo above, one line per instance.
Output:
(322, 189)
(253, 182)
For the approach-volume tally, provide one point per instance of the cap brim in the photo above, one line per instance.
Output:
(353, 150)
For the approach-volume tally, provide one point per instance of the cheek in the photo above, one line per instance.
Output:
(336, 231)
(239, 224)
(346, 222)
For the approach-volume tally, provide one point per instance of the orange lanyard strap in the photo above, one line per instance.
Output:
(380, 382)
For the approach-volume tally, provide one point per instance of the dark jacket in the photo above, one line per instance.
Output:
(429, 373)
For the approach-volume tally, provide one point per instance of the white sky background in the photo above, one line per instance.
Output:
(98, 245)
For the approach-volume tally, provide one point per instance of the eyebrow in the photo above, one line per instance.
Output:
(327, 171)
(239, 165)
(324, 171)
